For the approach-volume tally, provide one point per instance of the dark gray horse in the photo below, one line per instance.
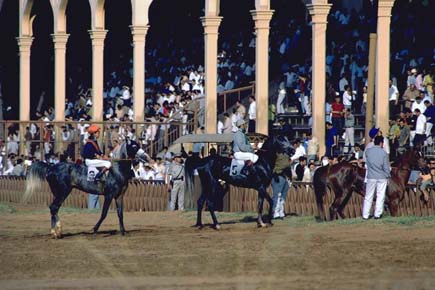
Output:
(64, 176)
(214, 168)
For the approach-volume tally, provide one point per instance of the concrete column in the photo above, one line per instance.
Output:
(97, 37)
(383, 65)
(24, 46)
(262, 19)
(211, 29)
(139, 34)
(319, 14)
(59, 40)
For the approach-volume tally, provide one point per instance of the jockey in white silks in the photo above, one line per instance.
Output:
(92, 153)
(241, 147)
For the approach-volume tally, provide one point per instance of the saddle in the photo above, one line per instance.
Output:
(93, 172)
(240, 167)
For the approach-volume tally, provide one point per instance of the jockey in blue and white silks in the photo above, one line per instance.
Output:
(241, 147)
(92, 153)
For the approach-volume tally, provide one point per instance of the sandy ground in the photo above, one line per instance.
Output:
(163, 251)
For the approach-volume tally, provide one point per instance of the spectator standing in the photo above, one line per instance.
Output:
(281, 97)
(160, 169)
(378, 173)
(403, 137)
(393, 136)
(337, 115)
(280, 184)
(176, 184)
(420, 130)
(410, 95)
(252, 114)
(300, 168)
(299, 150)
(418, 104)
(331, 139)
(393, 98)
(348, 97)
(430, 118)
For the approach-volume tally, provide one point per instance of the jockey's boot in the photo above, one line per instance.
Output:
(247, 168)
(99, 176)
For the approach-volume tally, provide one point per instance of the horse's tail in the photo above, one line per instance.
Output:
(36, 174)
(189, 167)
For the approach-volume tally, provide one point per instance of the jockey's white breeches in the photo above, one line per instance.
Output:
(246, 156)
(98, 163)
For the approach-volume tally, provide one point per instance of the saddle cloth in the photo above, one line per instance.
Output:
(92, 172)
(236, 166)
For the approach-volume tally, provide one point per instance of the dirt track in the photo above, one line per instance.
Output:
(162, 251)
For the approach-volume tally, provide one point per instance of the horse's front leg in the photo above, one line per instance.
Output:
(260, 222)
(270, 201)
(200, 205)
(107, 201)
(343, 204)
(120, 211)
(213, 215)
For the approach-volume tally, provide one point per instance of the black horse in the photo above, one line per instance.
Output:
(344, 178)
(214, 169)
(64, 176)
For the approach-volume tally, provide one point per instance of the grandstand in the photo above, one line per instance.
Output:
(77, 63)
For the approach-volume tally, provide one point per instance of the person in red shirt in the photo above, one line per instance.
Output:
(337, 115)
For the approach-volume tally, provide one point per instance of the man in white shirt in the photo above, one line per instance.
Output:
(420, 129)
(252, 114)
(342, 83)
(299, 150)
(126, 96)
(393, 98)
(148, 173)
(347, 97)
(418, 104)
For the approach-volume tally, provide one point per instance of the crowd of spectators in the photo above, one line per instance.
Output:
(176, 77)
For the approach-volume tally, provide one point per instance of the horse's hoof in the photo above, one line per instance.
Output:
(58, 230)
(261, 225)
(123, 233)
(53, 234)
(217, 227)
(199, 227)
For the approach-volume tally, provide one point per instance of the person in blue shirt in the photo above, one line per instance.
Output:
(92, 153)
(331, 139)
(430, 118)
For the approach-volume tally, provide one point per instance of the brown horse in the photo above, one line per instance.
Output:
(344, 178)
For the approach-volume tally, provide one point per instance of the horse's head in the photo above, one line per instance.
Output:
(132, 147)
(411, 159)
(281, 144)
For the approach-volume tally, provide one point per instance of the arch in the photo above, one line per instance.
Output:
(79, 49)
(59, 13)
(41, 58)
(140, 9)
(26, 21)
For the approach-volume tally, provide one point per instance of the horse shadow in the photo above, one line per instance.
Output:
(103, 234)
